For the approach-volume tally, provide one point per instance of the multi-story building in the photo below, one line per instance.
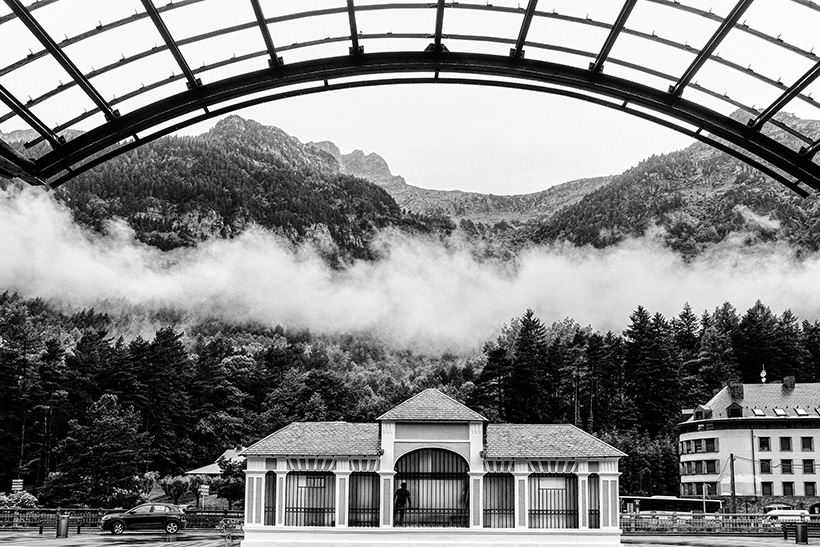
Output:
(757, 442)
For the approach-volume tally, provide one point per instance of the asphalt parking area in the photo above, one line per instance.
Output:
(96, 538)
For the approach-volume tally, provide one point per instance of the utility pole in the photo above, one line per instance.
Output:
(732, 469)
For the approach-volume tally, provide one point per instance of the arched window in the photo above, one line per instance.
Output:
(594, 501)
(438, 483)
(270, 498)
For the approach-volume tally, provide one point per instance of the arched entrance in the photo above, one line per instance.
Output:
(438, 482)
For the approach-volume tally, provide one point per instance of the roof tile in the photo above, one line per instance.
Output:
(319, 439)
(544, 441)
(431, 405)
(766, 398)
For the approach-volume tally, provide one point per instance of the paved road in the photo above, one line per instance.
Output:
(96, 538)
(205, 538)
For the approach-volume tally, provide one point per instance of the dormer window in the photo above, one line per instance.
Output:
(801, 411)
(734, 411)
(758, 412)
(780, 412)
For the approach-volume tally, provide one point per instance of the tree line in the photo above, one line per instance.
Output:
(87, 416)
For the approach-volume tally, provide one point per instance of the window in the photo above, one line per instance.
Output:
(807, 444)
(711, 466)
(758, 412)
(788, 488)
(763, 444)
(785, 444)
(786, 467)
(698, 468)
(698, 445)
(766, 488)
(688, 468)
(801, 411)
(810, 489)
(711, 445)
(765, 467)
(780, 412)
(734, 411)
(808, 467)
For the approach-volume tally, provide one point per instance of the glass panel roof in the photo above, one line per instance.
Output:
(111, 56)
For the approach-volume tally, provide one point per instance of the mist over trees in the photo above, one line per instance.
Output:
(85, 416)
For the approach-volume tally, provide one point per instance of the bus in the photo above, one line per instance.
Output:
(666, 505)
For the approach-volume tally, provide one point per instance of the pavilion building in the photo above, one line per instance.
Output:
(470, 482)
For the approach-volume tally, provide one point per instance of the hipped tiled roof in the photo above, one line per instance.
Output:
(544, 441)
(766, 398)
(431, 405)
(319, 439)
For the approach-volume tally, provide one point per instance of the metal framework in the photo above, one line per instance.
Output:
(553, 65)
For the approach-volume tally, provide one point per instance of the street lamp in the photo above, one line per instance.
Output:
(705, 491)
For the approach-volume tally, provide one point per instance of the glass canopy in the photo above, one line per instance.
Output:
(87, 79)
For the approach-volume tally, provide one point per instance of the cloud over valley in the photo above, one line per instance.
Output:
(421, 294)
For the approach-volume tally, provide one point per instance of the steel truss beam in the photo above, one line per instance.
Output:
(68, 65)
(518, 50)
(787, 96)
(13, 164)
(29, 117)
(439, 26)
(173, 47)
(274, 60)
(755, 148)
(354, 31)
(725, 27)
(617, 27)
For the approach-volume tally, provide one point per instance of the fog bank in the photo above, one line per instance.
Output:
(421, 295)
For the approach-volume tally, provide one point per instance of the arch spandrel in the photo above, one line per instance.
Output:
(630, 56)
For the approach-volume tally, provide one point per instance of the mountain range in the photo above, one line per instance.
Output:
(178, 191)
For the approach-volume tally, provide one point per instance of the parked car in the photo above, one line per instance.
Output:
(160, 516)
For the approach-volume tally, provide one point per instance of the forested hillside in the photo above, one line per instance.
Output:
(176, 401)
(180, 191)
(696, 196)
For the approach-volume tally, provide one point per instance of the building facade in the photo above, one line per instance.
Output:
(756, 441)
(467, 481)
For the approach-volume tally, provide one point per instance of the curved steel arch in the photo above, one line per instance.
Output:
(120, 132)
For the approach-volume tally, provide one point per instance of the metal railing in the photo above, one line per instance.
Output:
(713, 523)
(83, 517)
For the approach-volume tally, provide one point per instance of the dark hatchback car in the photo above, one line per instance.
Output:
(159, 516)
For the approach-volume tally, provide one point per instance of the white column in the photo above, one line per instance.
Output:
(254, 490)
(342, 473)
(281, 486)
(521, 474)
(476, 499)
(386, 474)
(386, 498)
(583, 496)
(608, 481)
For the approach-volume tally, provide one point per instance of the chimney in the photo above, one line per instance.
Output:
(736, 389)
(788, 383)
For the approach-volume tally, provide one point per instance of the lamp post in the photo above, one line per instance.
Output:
(705, 492)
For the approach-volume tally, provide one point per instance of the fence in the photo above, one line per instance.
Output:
(687, 523)
(19, 517)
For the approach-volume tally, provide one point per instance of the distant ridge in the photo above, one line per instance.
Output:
(457, 204)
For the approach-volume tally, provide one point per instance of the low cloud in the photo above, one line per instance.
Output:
(420, 295)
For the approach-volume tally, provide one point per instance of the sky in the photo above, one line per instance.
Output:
(488, 140)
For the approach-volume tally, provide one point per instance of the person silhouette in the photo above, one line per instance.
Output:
(401, 501)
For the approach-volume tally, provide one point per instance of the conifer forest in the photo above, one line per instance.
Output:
(84, 415)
